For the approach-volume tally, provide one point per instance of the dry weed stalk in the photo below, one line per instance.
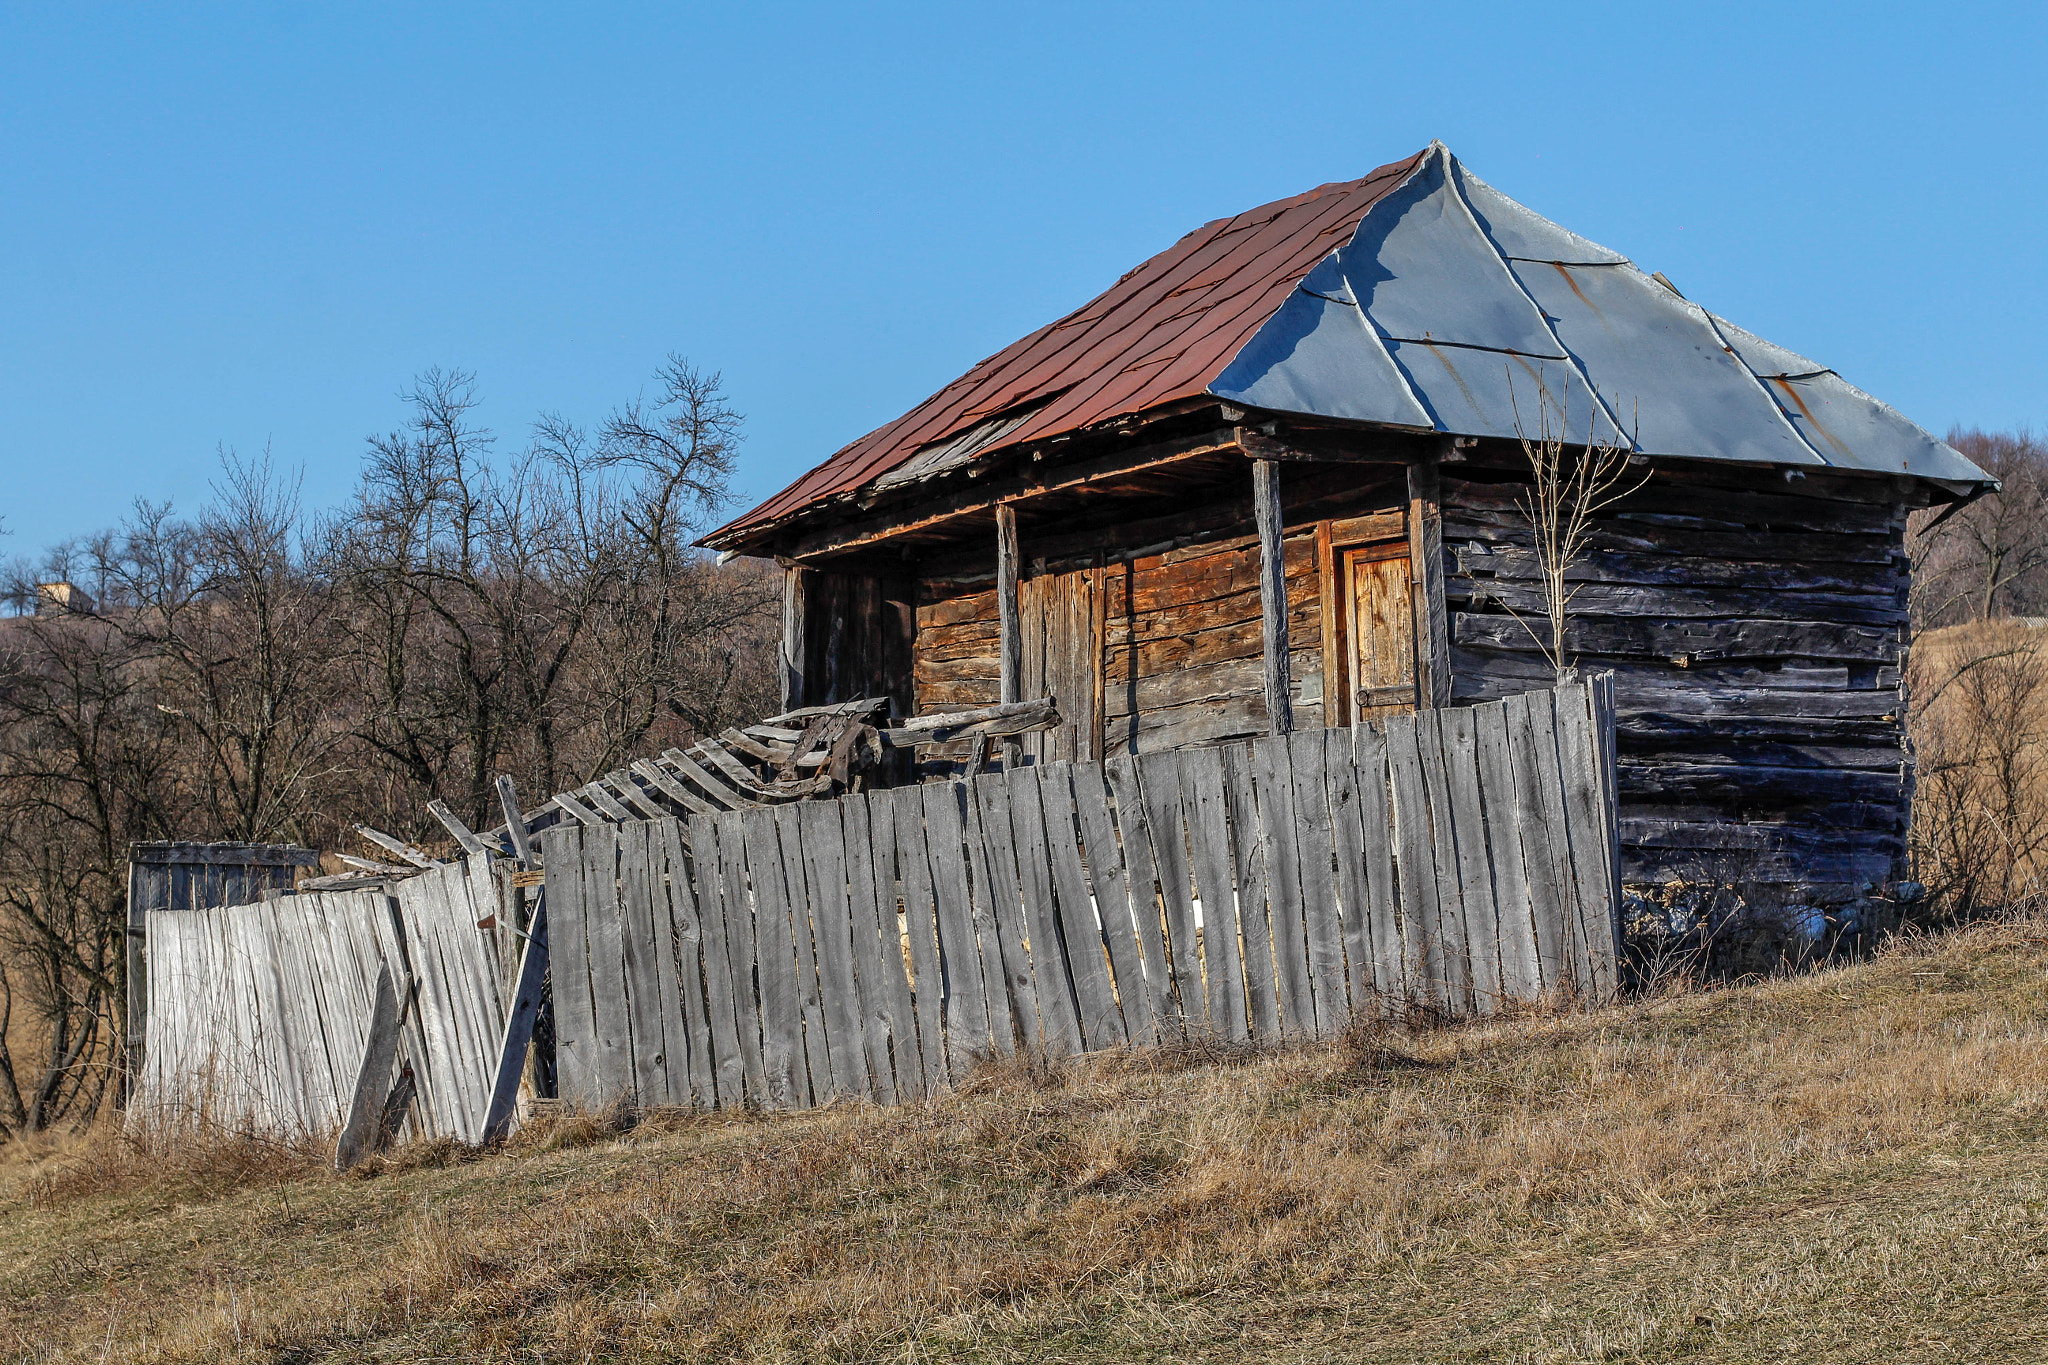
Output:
(1569, 487)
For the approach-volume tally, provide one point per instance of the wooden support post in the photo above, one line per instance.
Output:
(1011, 628)
(1272, 594)
(1426, 568)
(794, 655)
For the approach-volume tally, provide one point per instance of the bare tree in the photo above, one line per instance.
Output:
(1989, 558)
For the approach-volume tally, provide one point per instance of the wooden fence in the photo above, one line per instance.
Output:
(879, 944)
(259, 1014)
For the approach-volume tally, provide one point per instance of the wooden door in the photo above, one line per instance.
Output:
(1380, 620)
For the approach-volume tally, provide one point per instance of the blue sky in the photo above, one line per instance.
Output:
(252, 224)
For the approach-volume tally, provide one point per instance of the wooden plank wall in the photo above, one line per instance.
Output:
(259, 1013)
(1756, 630)
(878, 945)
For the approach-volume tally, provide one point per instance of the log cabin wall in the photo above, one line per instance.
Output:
(857, 631)
(1147, 629)
(1756, 628)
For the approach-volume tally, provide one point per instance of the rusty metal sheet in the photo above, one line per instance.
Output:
(1660, 367)
(1475, 392)
(1844, 425)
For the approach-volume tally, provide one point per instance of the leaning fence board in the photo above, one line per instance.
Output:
(1058, 1013)
(1160, 783)
(1248, 864)
(832, 916)
(728, 1071)
(781, 1009)
(1308, 753)
(1110, 887)
(1475, 871)
(1516, 938)
(817, 1053)
(741, 952)
(1286, 906)
(1203, 808)
(992, 851)
(1141, 879)
(1087, 964)
(920, 926)
(967, 1011)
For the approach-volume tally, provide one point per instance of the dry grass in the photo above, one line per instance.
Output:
(1844, 1166)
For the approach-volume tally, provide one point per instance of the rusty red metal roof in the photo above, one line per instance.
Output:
(1161, 333)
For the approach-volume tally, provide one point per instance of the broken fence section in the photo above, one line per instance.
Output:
(259, 1014)
(878, 945)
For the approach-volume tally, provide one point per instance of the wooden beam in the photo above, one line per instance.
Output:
(794, 655)
(1010, 624)
(1272, 594)
(1010, 627)
(515, 821)
(1330, 597)
(1426, 573)
(463, 834)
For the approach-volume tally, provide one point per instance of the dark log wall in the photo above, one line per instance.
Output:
(1756, 629)
(858, 629)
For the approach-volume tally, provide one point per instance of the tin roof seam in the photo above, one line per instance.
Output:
(1458, 193)
(1777, 407)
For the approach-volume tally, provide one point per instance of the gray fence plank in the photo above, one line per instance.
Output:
(921, 927)
(1475, 869)
(1141, 880)
(1279, 828)
(904, 1049)
(1450, 893)
(965, 958)
(1579, 757)
(804, 940)
(1546, 890)
(668, 987)
(1515, 935)
(1307, 752)
(649, 1010)
(824, 847)
(1102, 1023)
(1204, 808)
(1254, 921)
(996, 846)
(1110, 886)
(1058, 1012)
(875, 1020)
(1159, 777)
(741, 951)
(728, 1069)
(609, 981)
(1348, 839)
(686, 928)
(1422, 949)
(1575, 964)
(782, 1023)
(568, 963)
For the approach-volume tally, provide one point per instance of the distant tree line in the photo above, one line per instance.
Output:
(261, 672)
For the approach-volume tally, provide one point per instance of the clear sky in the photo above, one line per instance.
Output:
(252, 224)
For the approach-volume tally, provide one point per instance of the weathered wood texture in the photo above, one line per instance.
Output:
(260, 1014)
(181, 875)
(873, 946)
(1756, 632)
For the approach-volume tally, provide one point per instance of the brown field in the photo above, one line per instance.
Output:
(1847, 1165)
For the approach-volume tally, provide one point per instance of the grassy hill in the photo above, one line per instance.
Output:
(1843, 1166)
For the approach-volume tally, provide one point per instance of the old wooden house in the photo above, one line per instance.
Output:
(1269, 480)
